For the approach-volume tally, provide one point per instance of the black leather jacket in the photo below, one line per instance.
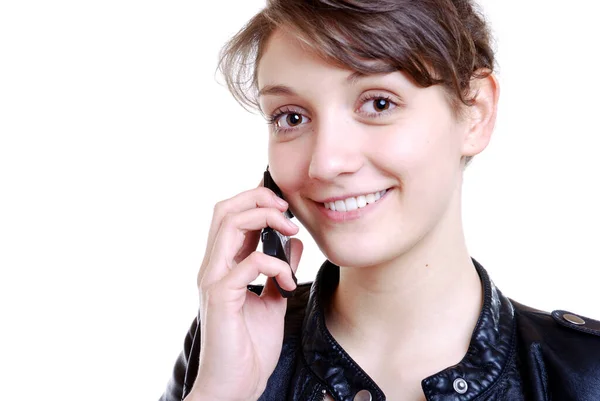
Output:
(516, 353)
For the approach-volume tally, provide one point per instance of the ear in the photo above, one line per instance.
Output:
(481, 115)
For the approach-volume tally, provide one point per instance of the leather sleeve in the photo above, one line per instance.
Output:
(186, 367)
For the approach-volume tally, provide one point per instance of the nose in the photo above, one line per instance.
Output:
(337, 149)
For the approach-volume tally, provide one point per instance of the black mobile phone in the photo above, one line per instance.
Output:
(273, 242)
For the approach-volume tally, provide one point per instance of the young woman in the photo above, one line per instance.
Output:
(375, 109)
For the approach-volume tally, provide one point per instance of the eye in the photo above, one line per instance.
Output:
(286, 120)
(377, 105)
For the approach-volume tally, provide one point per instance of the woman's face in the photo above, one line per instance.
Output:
(340, 139)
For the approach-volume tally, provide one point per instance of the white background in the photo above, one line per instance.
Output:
(116, 141)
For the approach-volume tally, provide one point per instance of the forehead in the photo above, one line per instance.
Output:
(287, 60)
(284, 52)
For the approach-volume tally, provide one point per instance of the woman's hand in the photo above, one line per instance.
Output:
(241, 332)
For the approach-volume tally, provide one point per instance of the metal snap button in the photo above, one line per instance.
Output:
(363, 395)
(573, 319)
(460, 385)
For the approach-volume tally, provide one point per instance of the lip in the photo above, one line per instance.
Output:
(355, 214)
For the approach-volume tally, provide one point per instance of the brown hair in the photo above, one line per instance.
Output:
(443, 42)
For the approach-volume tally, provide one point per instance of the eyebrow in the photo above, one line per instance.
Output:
(274, 90)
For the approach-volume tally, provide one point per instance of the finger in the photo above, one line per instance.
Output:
(254, 198)
(232, 288)
(270, 290)
(231, 236)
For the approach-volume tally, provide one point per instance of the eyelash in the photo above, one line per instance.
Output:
(272, 120)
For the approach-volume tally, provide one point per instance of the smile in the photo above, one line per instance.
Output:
(353, 203)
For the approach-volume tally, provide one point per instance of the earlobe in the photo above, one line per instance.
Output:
(482, 114)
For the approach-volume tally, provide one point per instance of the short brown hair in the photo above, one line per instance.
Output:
(445, 42)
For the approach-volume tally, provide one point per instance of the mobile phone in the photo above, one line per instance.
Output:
(273, 242)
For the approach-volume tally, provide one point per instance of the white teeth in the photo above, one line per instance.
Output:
(354, 203)
(340, 206)
(361, 201)
(351, 204)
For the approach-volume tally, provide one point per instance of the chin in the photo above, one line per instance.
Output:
(362, 253)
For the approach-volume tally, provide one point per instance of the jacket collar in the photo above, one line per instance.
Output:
(491, 347)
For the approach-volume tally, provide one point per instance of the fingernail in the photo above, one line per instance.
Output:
(281, 201)
(291, 223)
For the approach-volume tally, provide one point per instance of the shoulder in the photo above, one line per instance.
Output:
(561, 350)
(557, 324)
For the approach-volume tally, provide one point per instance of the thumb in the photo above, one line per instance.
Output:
(296, 247)
(270, 291)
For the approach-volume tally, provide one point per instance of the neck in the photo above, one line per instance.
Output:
(426, 301)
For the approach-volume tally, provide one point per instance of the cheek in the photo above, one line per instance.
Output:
(429, 135)
(288, 164)
(427, 140)
(404, 149)
(424, 155)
